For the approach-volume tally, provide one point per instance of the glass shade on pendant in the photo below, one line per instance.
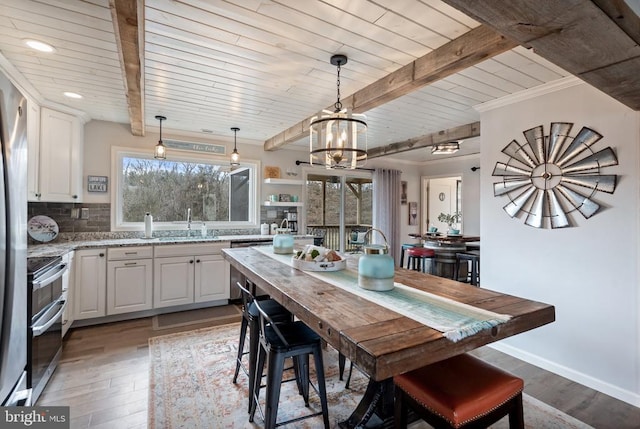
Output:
(235, 158)
(160, 151)
(338, 139)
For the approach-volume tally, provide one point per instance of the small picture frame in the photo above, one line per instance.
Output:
(97, 183)
(403, 192)
(271, 172)
(413, 213)
(286, 198)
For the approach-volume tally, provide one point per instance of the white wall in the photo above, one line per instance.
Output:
(589, 272)
(100, 136)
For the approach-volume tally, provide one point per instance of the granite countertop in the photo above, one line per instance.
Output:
(61, 247)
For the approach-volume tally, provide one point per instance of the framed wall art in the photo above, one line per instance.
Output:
(403, 192)
(413, 213)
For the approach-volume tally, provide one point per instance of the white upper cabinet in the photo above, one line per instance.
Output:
(57, 168)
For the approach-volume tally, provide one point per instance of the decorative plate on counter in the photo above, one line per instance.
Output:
(42, 228)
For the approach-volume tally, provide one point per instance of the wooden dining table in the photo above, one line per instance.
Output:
(378, 340)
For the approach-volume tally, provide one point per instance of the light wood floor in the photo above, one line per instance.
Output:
(103, 377)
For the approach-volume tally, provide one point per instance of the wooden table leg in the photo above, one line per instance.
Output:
(375, 408)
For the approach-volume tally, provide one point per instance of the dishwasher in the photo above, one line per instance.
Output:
(237, 276)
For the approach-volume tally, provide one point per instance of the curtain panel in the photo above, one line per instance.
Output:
(386, 209)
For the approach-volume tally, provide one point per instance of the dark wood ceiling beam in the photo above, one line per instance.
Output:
(467, 50)
(452, 134)
(128, 23)
(596, 41)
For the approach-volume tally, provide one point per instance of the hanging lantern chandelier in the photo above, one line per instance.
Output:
(235, 156)
(160, 151)
(338, 139)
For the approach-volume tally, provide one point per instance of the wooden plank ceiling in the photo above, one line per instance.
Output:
(263, 65)
(595, 40)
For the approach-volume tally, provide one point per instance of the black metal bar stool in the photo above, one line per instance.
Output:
(417, 259)
(279, 341)
(470, 257)
(250, 319)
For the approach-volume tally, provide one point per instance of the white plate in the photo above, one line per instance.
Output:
(42, 228)
(454, 235)
(319, 266)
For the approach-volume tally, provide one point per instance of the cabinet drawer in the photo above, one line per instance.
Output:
(132, 252)
(171, 250)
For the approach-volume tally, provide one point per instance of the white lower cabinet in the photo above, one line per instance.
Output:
(188, 273)
(173, 284)
(210, 270)
(129, 279)
(90, 283)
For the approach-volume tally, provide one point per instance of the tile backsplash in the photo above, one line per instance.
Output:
(69, 216)
(78, 221)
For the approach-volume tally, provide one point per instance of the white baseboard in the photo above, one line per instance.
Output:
(579, 377)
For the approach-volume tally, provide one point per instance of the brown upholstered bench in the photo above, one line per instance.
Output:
(460, 392)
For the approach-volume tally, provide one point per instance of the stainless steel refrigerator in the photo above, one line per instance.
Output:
(13, 245)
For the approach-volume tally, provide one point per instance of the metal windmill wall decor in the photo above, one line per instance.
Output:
(552, 175)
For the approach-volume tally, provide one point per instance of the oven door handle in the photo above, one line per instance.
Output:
(38, 329)
(40, 283)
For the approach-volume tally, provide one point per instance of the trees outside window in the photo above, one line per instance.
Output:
(168, 188)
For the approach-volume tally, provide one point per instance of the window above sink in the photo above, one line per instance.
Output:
(215, 194)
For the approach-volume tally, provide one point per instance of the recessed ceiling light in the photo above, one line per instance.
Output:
(72, 95)
(39, 46)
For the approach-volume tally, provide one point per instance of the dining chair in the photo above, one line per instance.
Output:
(357, 240)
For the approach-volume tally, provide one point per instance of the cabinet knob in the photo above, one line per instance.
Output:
(101, 255)
(38, 195)
(197, 261)
(191, 261)
(74, 197)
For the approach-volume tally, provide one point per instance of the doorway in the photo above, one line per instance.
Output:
(337, 204)
(440, 195)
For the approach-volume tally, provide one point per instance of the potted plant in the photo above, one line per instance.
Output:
(450, 219)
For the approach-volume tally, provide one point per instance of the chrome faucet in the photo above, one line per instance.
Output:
(189, 220)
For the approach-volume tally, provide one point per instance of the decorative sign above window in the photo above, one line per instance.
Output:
(97, 183)
(217, 149)
(552, 175)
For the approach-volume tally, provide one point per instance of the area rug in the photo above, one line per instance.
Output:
(221, 315)
(191, 386)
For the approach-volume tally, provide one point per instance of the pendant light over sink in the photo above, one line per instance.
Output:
(235, 156)
(338, 139)
(160, 151)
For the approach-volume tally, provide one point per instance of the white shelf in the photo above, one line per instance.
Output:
(283, 182)
(283, 204)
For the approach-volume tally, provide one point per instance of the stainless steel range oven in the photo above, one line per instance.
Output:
(46, 303)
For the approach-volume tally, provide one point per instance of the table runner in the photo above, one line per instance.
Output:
(454, 319)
